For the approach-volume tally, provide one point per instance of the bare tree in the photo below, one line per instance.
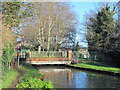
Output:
(52, 21)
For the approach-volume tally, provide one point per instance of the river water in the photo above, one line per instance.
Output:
(63, 77)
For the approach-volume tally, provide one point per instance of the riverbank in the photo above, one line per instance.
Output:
(8, 77)
(25, 76)
(32, 78)
(17, 80)
(93, 66)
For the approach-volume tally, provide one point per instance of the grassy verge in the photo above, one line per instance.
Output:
(97, 66)
(32, 79)
(8, 78)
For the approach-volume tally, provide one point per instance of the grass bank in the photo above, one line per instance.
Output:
(96, 66)
(32, 79)
(8, 77)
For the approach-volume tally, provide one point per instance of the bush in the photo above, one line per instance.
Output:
(34, 83)
(7, 56)
(31, 79)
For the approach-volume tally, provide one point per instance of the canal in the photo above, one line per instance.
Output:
(64, 77)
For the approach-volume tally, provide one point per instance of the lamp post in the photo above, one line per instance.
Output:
(18, 54)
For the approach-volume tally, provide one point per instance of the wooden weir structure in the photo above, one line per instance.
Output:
(49, 57)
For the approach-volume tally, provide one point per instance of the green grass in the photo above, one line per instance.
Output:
(30, 71)
(32, 78)
(8, 78)
(97, 66)
(95, 63)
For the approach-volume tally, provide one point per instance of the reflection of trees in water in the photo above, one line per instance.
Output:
(79, 79)
(73, 78)
(59, 77)
(69, 77)
(102, 81)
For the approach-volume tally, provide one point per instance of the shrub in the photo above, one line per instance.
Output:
(7, 56)
(31, 79)
(34, 83)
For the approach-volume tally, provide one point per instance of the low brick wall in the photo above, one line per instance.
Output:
(38, 61)
(47, 59)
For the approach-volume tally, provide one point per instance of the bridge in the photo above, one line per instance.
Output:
(49, 57)
(56, 57)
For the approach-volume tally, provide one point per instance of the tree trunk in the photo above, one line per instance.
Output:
(48, 46)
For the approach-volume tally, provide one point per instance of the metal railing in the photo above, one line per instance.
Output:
(49, 54)
(82, 55)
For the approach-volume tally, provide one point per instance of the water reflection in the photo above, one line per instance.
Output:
(102, 81)
(63, 77)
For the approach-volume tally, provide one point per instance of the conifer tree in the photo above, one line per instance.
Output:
(100, 28)
(105, 24)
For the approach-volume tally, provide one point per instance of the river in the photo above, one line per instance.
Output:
(63, 77)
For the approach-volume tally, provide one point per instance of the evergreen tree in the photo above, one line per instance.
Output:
(100, 28)
(103, 35)
(105, 24)
(10, 13)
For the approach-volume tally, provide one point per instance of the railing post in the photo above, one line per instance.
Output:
(69, 55)
(39, 49)
(30, 54)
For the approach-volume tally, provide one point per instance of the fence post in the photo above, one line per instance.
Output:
(69, 55)
(30, 54)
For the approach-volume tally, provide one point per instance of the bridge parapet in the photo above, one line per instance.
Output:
(49, 57)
